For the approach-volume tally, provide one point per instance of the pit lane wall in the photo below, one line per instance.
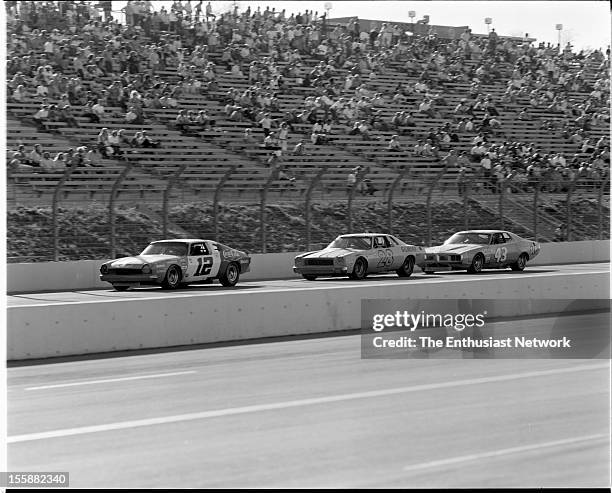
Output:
(83, 275)
(44, 331)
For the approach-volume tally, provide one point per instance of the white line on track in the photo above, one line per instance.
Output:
(297, 403)
(505, 451)
(109, 380)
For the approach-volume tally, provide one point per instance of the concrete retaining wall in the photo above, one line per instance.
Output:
(39, 331)
(82, 275)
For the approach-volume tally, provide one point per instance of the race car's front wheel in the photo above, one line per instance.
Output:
(230, 276)
(520, 263)
(309, 277)
(120, 288)
(173, 278)
(360, 269)
(407, 267)
(477, 263)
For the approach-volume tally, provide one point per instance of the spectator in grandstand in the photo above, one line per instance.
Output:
(66, 115)
(20, 94)
(351, 179)
(47, 163)
(14, 163)
(35, 155)
(41, 117)
(394, 144)
(266, 123)
(299, 149)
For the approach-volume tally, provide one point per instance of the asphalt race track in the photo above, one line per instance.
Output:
(296, 284)
(309, 412)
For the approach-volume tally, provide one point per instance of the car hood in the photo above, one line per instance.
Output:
(330, 252)
(455, 248)
(143, 259)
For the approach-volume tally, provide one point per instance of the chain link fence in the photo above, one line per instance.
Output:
(420, 211)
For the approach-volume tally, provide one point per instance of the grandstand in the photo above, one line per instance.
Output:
(262, 112)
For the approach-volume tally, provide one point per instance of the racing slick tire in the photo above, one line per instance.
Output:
(173, 278)
(309, 277)
(477, 263)
(120, 288)
(360, 269)
(407, 267)
(520, 263)
(231, 275)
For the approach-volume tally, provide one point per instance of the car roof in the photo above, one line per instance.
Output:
(360, 235)
(484, 231)
(181, 240)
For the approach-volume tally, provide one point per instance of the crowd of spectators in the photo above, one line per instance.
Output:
(62, 55)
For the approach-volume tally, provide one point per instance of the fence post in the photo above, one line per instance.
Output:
(111, 208)
(570, 192)
(262, 208)
(502, 193)
(56, 194)
(313, 183)
(465, 190)
(171, 182)
(220, 186)
(432, 186)
(351, 196)
(536, 198)
(599, 207)
(400, 176)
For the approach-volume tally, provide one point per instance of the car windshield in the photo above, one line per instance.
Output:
(178, 249)
(472, 238)
(355, 242)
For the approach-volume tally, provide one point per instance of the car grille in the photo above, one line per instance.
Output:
(319, 261)
(125, 272)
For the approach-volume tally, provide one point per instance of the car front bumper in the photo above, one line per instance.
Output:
(321, 270)
(130, 280)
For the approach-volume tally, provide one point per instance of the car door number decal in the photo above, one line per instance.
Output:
(385, 258)
(204, 266)
(500, 254)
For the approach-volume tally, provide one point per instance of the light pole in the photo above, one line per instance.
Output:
(559, 28)
(328, 7)
(488, 22)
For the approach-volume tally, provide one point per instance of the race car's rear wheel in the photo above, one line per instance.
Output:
(120, 288)
(477, 263)
(407, 267)
(230, 276)
(309, 277)
(173, 278)
(520, 263)
(360, 269)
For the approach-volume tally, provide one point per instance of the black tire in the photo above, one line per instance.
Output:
(520, 263)
(309, 277)
(173, 278)
(477, 264)
(231, 275)
(360, 269)
(121, 288)
(407, 267)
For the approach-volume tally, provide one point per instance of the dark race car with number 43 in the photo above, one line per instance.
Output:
(174, 263)
(475, 250)
(357, 255)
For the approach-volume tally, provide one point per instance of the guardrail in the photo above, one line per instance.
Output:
(43, 331)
